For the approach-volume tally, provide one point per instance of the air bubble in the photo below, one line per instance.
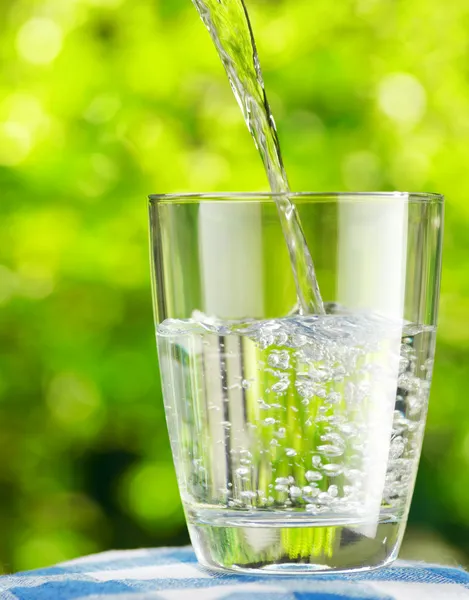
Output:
(403, 364)
(273, 359)
(339, 374)
(266, 340)
(304, 388)
(281, 488)
(290, 452)
(428, 365)
(310, 493)
(332, 470)
(295, 492)
(334, 438)
(320, 374)
(313, 476)
(324, 498)
(280, 359)
(242, 471)
(320, 392)
(397, 448)
(282, 338)
(297, 341)
(334, 398)
(315, 352)
(410, 383)
(347, 429)
(281, 386)
(248, 495)
(415, 405)
(278, 406)
(330, 450)
(269, 421)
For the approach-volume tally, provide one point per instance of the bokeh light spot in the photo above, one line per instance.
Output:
(26, 109)
(8, 284)
(402, 98)
(46, 548)
(364, 7)
(15, 143)
(36, 281)
(104, 166)
(102, 108)
(103, 3)
(72, 399)
(150, 493)
(207, 169)
(39, 41)
(410, 169)
(361, 171)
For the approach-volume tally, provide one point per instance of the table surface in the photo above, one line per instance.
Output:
(173, 574)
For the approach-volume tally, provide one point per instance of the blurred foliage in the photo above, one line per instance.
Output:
(104, 101)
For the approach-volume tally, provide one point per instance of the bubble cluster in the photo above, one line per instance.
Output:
(317, 414)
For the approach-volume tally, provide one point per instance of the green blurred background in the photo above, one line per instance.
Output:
(105, 101)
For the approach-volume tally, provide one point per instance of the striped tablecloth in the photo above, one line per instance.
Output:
(173, 574)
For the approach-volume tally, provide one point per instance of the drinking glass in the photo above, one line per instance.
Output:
(296, 438)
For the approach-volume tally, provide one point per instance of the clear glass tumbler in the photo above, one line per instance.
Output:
(296, 438)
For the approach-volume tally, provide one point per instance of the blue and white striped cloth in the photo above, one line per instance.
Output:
(173, 574)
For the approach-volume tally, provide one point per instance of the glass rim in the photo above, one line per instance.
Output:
(189, 197)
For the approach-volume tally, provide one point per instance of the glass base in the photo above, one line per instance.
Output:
(270, 547)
